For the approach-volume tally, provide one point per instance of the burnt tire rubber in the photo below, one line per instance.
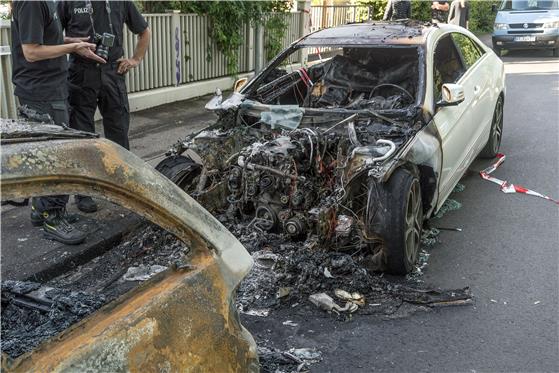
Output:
(400, 226)
(180, 170)
(491, 149)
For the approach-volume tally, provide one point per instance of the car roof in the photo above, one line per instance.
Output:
(405, 32)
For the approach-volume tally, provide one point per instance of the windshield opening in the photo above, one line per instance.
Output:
(348, 77)
(529, 4)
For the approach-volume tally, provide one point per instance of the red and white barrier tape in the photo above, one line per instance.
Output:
(507, 187)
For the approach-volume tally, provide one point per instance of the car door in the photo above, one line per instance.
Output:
(481, 106)
(452, 122)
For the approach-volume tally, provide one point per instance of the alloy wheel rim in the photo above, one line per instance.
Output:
(413, 223)
(498, 130)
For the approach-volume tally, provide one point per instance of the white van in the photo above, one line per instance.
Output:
(526, 24)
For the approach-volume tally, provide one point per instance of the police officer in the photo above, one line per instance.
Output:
(39, 75)
(92, 85)
(439, 11)
(397, 9)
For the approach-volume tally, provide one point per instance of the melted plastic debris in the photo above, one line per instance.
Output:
(28, 319)
(142, 272)
(273, 360)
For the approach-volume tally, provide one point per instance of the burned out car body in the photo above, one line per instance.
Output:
(184, 319)
(357, 145)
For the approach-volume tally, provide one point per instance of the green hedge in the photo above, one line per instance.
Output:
(481, 17)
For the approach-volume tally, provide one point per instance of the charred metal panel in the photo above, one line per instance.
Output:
(183, 319)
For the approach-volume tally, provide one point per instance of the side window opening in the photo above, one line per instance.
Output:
(468, 49)
(64, 290)
(447, 65)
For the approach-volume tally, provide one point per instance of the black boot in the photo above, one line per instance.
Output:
(57, 228)
(37, 219)
(86, 204)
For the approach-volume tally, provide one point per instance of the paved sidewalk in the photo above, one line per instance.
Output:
(26, 255)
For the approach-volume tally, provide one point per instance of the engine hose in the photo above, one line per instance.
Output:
(251, 166)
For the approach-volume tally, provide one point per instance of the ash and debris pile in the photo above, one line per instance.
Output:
(143, 253)
(286, 274)
(32, 313)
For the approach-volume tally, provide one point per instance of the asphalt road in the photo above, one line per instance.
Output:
(507, 253)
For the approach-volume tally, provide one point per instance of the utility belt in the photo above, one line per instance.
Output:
(93, 64)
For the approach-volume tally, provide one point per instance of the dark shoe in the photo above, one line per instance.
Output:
(58, 228)
(86, 204)
(37, 219)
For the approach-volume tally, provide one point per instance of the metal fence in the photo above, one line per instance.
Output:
(154, 71)
(324, 16)
(7, 99)
(201, 58)
(198, 57)
(293, 32)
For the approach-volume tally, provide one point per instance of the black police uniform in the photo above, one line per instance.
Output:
(92, 84)
(439, 15)
(40, 85)
(397, 9)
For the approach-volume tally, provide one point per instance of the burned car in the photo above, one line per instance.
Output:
(182, 319)
(350, 138)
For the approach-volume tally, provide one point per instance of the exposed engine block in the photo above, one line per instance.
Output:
(280, 182)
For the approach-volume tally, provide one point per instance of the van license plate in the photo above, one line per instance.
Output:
(524, 38)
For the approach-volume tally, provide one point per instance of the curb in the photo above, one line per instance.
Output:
(103, 242)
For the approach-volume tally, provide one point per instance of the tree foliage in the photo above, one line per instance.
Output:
(481, 16)
(227, 19)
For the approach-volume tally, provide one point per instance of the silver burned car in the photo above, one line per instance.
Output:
(350, 139)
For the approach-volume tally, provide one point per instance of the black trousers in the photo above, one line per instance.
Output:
(58, 110)
(91, 86)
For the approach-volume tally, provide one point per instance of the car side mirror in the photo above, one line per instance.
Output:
(452, 95)
(215, 101)
(240, 83)
(494, 8)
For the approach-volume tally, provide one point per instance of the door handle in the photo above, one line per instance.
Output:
(476, 90)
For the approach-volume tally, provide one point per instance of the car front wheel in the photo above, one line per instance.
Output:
(180, 170)
(494, 143)
(402, 221)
